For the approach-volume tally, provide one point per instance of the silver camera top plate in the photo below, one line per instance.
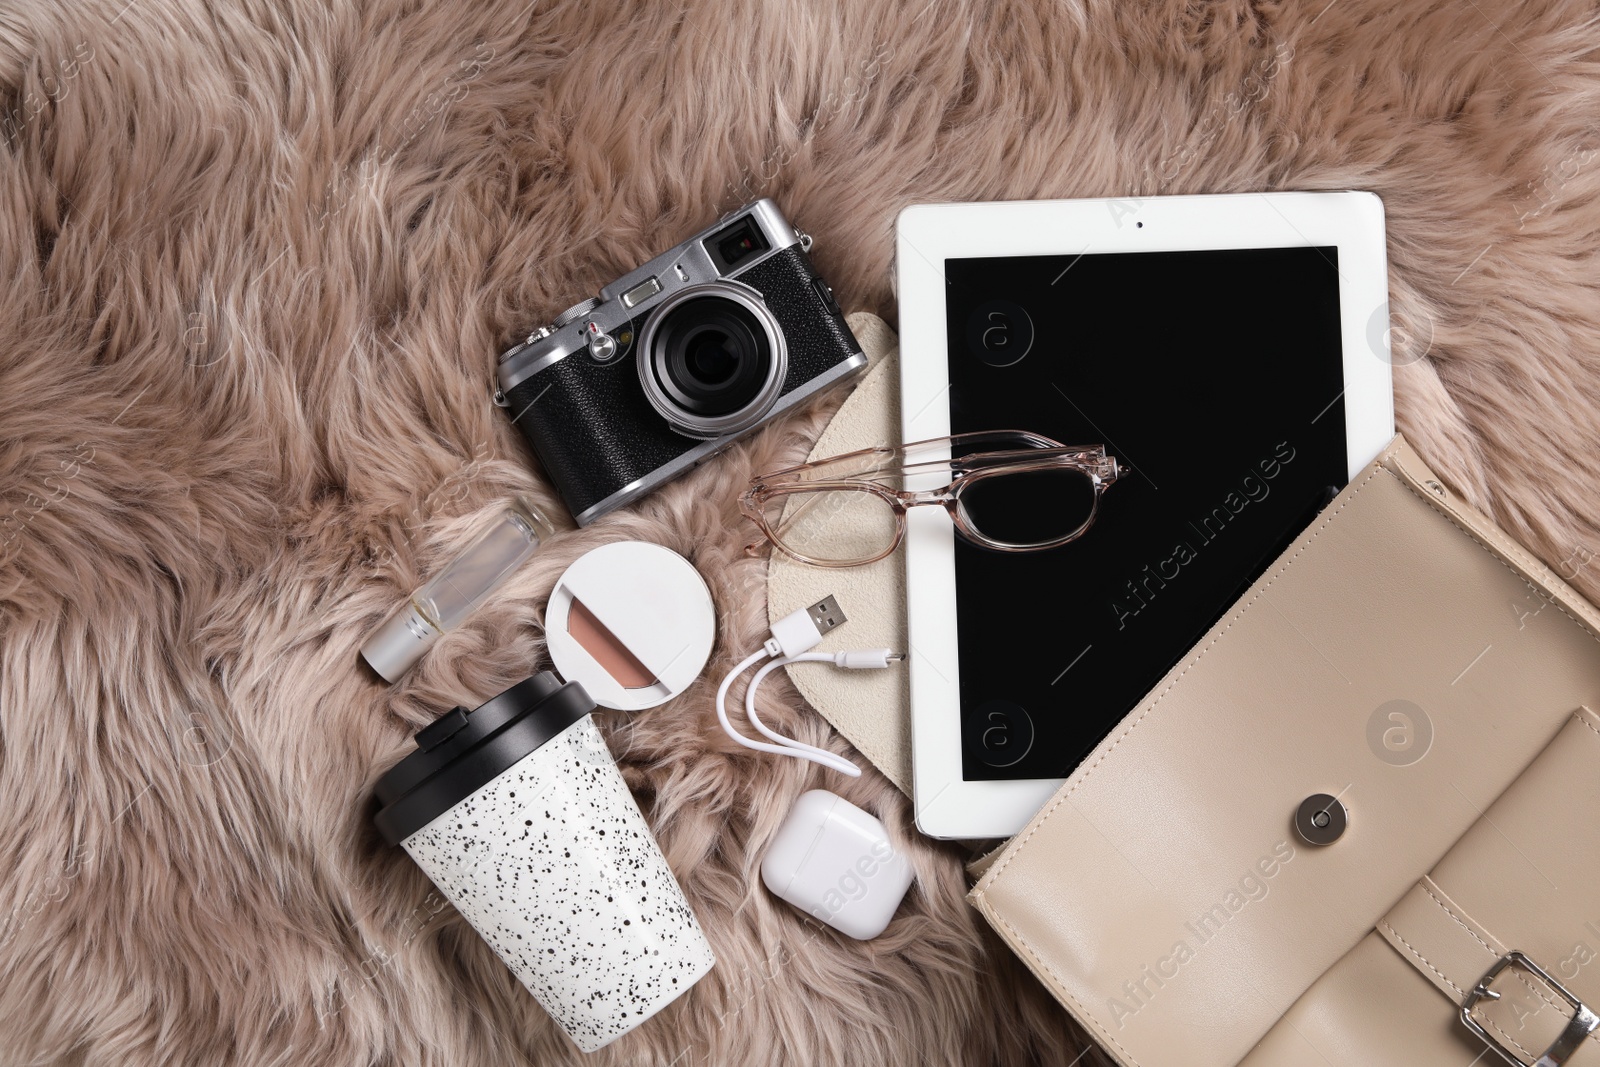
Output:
(632, 295)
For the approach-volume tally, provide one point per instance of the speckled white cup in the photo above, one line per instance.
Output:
(553, 864)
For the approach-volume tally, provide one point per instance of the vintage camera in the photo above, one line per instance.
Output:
(677, 359)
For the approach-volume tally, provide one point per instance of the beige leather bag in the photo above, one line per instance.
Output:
(1413, 663)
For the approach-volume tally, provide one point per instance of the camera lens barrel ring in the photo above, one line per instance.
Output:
(654, 356)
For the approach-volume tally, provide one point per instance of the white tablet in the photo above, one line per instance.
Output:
(1230, 351)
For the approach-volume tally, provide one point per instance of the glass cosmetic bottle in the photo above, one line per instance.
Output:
(445, 600)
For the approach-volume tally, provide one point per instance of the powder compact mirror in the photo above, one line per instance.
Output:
(631, 621)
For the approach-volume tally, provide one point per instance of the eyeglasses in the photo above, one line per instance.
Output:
(1007, 490)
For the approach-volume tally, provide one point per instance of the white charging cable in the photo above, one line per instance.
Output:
(793, 638)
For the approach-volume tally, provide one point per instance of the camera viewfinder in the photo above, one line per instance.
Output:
(739, 242)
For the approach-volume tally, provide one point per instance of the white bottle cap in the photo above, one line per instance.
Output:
(396, 645)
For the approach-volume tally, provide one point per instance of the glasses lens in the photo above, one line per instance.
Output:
(1026, 508)
(836, 526)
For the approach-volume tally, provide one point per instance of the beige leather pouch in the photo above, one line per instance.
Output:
(1409, 659)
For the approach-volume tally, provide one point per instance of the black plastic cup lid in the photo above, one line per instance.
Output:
(461, 751)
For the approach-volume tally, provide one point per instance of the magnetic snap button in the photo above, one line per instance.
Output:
(1321, 819)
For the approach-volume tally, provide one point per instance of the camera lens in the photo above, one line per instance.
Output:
(713, 361)
(712, 358)
(716, 355)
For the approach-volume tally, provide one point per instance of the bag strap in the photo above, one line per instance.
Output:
(1516, 947)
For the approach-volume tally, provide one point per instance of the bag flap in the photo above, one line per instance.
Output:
(1525, 879)
(1402, 655)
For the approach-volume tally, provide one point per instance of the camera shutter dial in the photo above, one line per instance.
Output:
(603, 348)
(581, 308)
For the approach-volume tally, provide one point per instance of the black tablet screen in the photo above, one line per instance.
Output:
(1217, 376)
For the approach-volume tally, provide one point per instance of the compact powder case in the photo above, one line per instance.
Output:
(632, 622)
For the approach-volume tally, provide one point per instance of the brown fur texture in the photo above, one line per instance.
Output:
(256, 260)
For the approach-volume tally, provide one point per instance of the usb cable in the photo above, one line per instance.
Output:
(793, 638)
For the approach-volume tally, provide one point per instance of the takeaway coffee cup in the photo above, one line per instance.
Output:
(518, 814)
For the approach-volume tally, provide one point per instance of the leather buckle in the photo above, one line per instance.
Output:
(1583, 1022)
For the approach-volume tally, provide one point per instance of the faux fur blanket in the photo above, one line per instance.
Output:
(256, 260)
